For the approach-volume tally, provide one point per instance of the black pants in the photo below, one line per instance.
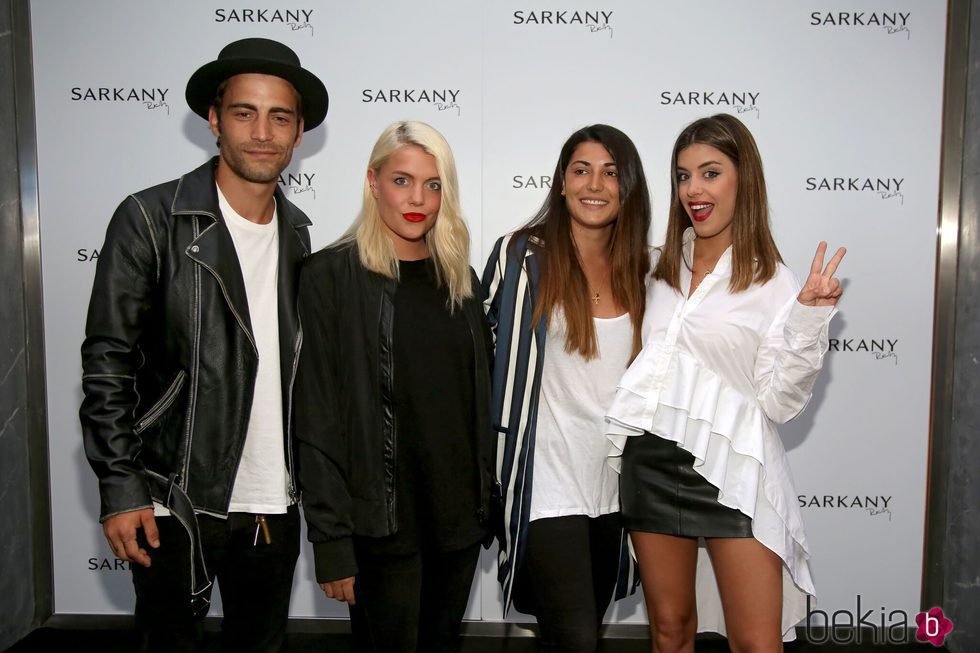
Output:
(255, 580)
(411, 602)
(569, 574)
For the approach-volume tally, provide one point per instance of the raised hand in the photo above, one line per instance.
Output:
(822, 288)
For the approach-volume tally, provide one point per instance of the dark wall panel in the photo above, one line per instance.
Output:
(17, 598)
(962, 582)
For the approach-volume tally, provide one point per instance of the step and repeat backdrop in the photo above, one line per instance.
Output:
(844, 99)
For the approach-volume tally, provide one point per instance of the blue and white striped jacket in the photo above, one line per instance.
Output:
(510, 284)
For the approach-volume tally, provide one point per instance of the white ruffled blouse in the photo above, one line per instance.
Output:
(716, 373)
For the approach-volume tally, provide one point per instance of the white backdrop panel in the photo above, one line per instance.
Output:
(847, 117)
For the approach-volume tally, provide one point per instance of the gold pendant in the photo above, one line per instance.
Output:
(595, 299)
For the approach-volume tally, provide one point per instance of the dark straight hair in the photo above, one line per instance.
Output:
(563, 283)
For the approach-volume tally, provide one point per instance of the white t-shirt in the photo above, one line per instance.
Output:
(261, 484)
(571, 475)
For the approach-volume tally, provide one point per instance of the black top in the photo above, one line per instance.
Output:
(345, 429)
(437, 482)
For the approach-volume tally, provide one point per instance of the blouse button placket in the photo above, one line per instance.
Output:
(684, 308)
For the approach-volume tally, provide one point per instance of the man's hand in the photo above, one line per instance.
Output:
(120, 531)
(342, 590)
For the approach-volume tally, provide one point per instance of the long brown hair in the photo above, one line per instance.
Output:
(563, 283)
(754, 253)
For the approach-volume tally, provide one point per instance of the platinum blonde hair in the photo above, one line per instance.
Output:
(448, 240)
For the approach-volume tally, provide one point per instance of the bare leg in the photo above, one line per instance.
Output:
(667, 568)
(750, 580)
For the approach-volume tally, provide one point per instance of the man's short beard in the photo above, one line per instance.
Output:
(238, 165)
(257, 174)
(253, 174)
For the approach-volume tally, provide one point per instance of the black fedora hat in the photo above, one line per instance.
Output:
(263, 56)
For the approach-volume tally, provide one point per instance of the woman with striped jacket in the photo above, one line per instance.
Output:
(565, 299)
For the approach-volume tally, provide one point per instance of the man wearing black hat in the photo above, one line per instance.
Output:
(190, 350)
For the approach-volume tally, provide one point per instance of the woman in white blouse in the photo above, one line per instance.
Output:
(731, 347)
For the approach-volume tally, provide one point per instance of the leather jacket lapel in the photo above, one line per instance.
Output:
(294, 247)
(214, 250)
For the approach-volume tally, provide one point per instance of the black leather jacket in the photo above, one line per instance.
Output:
(345, 424)
(169, 359)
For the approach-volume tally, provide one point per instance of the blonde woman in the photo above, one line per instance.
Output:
(392, 393)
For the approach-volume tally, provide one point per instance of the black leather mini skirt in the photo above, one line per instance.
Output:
(662, 493)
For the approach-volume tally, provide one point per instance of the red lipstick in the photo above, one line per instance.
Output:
(414, 217)
(702, 213)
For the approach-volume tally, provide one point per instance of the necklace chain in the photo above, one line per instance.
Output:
(596, 296)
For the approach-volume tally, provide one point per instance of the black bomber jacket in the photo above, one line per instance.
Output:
(169, 359)
(345, 427)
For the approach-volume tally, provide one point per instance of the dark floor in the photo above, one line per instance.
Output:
(61, 639)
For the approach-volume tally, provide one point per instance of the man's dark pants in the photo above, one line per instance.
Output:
(255, 580)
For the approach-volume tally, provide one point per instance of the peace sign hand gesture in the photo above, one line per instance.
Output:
(822, 288)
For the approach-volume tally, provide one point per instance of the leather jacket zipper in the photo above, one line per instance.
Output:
(192, 408)
(293, 494)
(162, 404)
